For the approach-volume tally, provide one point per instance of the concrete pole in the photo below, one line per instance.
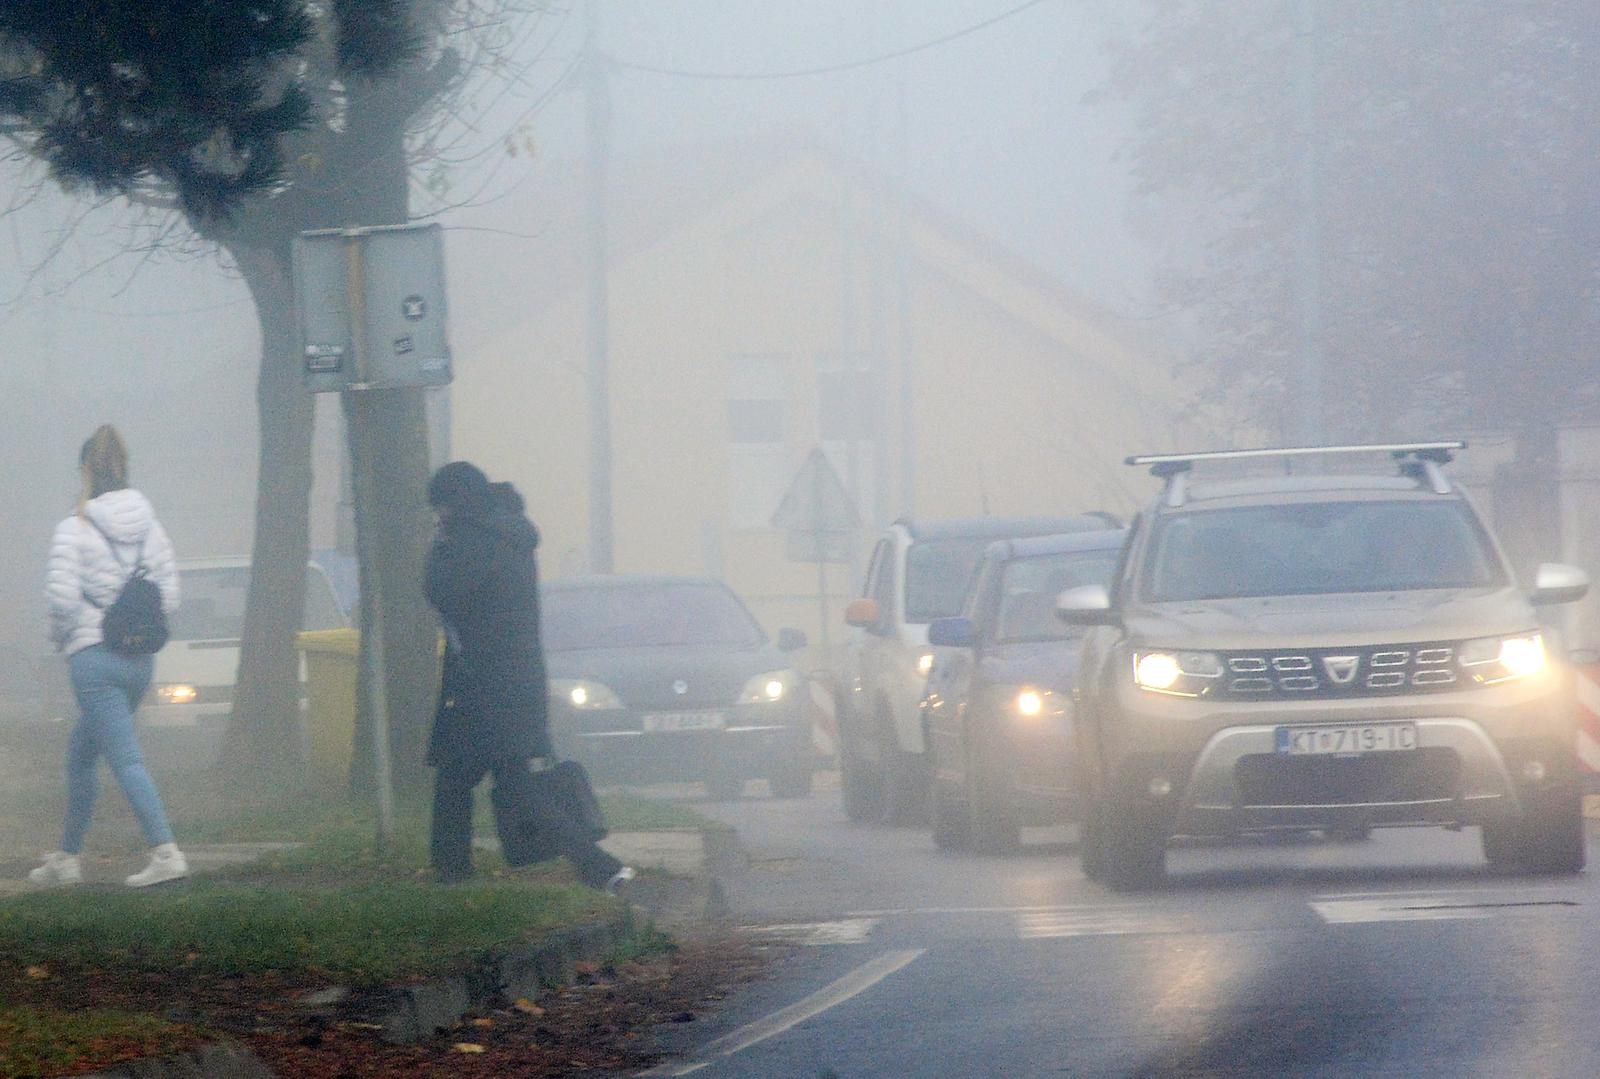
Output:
(374, 667)
(597, 92)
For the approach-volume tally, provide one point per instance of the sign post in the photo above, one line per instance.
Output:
(821, 520)
(371, 306)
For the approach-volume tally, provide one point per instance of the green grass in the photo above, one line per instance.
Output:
(311, 815)
(362, 936)
(36, 1043)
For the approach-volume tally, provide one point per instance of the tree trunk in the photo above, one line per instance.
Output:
(263, 741)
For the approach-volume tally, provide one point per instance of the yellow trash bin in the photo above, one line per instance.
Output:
(332, 672)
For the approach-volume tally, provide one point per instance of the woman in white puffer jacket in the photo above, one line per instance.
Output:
(93, 555)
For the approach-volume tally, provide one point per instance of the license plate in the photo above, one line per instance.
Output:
(686, 721)
(1365, 738)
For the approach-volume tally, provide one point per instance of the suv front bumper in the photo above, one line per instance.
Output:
(1212, 768)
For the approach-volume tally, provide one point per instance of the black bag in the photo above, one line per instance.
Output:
(135, 624)
(542, 818)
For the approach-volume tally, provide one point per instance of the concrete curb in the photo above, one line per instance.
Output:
(220, 1061)
(418, 1012)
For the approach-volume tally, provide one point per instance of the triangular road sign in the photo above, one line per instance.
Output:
(817, 500)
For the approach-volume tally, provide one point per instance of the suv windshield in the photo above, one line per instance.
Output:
(1319, 548)
(213, 604)
(937, 575)
(647, 616)
(1029, 587)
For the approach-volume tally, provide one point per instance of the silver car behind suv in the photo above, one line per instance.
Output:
(1322, 651)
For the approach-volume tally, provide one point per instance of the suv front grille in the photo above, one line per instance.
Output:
(1339, 672)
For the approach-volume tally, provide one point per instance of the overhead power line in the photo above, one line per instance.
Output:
(828, 69)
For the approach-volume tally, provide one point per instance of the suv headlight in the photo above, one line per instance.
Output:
(1177, 674)
(769, 688)
(1490, 660)
(583, 695)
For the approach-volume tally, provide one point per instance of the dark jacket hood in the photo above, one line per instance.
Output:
(506, 522)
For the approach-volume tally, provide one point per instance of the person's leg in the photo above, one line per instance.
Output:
(450, 843)
(95, 696)
(564, 833)
(130, 679)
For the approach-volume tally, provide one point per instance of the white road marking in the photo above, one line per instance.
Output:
(853, 984)
(1093, 922)
(819, 934)
(1439, 906)
(1401, 909)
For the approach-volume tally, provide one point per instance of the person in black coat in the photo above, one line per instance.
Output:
(493, 714)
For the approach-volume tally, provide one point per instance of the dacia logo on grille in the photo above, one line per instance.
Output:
(1341, 669)
(680, 687)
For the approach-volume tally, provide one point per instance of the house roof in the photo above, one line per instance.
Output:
(540, 227)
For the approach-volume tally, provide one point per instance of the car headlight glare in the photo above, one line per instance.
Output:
(584, 695)
(769, 688)
(1030, 703)
(1503, 659)
(1179, 674)
(179, 693)
(925, 664)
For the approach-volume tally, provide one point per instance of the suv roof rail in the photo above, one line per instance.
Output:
(1422, 461)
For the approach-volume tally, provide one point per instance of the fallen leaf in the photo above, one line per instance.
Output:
(528, 1007)
(483, 1023)
(586, 968)
(469, 1047)
(38, 974)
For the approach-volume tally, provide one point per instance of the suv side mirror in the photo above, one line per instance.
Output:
(863, 614)
(953, 633)
(1555, 583)
(1087, 605)
(792, 640)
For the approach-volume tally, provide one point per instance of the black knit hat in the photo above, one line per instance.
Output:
(461, 487)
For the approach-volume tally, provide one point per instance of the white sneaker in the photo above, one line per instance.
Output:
(620, 879)
(58, 868)
(166, 863)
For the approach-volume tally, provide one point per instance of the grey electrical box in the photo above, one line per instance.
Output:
(371, 307)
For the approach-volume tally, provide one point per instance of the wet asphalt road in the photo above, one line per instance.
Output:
(1399, 956)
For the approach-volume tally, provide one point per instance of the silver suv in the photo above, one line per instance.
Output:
(1322, 651)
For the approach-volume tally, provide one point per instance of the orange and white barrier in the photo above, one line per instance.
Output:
(825, 719)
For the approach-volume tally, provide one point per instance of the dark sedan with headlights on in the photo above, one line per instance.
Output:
(998, 711)
(671, 679)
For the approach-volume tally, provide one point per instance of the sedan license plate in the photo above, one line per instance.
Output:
(686, 721)
(1365, 738)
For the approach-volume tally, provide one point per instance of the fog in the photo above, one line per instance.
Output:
(1091, 184)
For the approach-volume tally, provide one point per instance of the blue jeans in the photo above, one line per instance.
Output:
(109, 687)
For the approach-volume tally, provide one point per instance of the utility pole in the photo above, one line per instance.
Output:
(1306, 387)
(904, 345)
(597, 94)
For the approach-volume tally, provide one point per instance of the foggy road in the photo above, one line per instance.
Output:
(1400, 956)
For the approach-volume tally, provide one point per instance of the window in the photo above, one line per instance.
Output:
(666, 615)
(937, 575)
(1030, 586)
(847, 405)
(1319, 549)
(758, 459)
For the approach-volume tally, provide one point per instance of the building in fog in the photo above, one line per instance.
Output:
(765, 300)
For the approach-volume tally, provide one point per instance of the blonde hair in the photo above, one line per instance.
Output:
(103, 462)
